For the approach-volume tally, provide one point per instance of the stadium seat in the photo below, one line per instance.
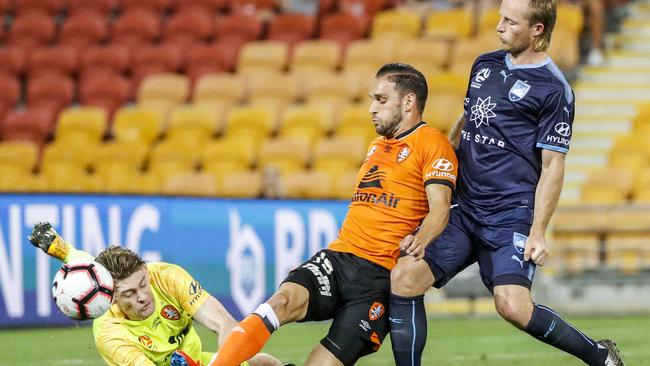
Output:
(189, 26)
(425, 55)
(138, 123)
(12, 60)
(641, 180)
(312, 184)
(219, 88)
(569, 17)
(32, 124)
(195, 122)
(45, 7)
(310, 122)
(32, 29)
(241, 184)
(256, 121)
(18, 181)
(207, 6)
(168, 158)
(119, 155)
(355, 122)
(449, 24)
(268, 55)
(284, 154)
(578, 251)
(441, 112)
(599, 194)
(83, 124)
(237, 154)
(641, 195)
(100, 7)
(399, 24)
(344, 185)
(191, 184)
(565, 49)
(9, 91)
(268, 85)
(447, 84)
(163, 58)
(84, 29)
(324, 86)
(21, 155)
(53, 92)
(63, 158)
(135, 28)
(113, 59)
(117, 179)
(339, 155)
(106, 90)
(467, 50)
(317, 54)
(362, 7)
(52, 60)
(343, 28)
(170, 89)
(369, 53)
(488, 20)
(71, 182)
(251, 6)
(240, 28)
(291, 28)
(155, 6)
(625, 251)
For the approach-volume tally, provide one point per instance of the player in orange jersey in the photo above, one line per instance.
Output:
(406, 180)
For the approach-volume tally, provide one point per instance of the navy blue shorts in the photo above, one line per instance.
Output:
(499, 249)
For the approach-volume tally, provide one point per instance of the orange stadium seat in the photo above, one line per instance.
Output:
(53, 60)
(12, 60)
(32, 124)
(84, 29)
(362, 7)
(111, 58)
(81, 125)
(269, 55)
(158, 6)
(46, 7)
(208, 6)
(455, 23)
(101, 7)
(32, 29)
(318, 54)
(119, 155)
(167, 89)
(109, 91)
(53, 92)
(241, 184)
(136, 27)
(343, 27)
(251, 6)
(138, 123)
(400, 24)
(292, 28)
(284, 154)
(6, 6)
(20, 155)
(239, 27)
(203, 59)
(312, 184)
(189, 26)
(219, 88)
(163, 58)
(191, 184)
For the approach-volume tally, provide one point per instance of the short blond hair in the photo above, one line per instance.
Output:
(120, 262)
(545, 12)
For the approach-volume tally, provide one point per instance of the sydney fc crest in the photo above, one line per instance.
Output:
(518, 91)
(519, 241)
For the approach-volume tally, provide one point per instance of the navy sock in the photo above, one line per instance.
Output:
(408, 329)
(547, 326)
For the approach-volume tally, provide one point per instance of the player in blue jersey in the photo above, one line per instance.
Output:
(511, 142)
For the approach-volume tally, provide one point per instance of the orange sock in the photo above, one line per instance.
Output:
(245, 341)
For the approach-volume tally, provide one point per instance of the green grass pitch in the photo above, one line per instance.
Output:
(456, 341)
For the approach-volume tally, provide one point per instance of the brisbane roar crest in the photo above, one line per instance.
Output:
(376, 311)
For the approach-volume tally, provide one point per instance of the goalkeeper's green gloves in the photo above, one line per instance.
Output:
(45, 237)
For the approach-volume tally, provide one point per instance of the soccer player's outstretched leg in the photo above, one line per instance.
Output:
(405, 181)
(511, 142)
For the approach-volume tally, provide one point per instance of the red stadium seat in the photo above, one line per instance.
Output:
(84, 29)
(53, 92)
(209, 6)
(252, 6)
(158, 6)
(189, 26)
(6, 6)
(136, 27)
(112, 58)
(292, 28)
(344, 27)
(362, 7)
(109, 91)
(169, 57)
(12, 60)
(207, 59)
(32, 29)
(31, 124)
(46, 7)
(9, 91)
(47, 60)
(239, 27)
(101, 7)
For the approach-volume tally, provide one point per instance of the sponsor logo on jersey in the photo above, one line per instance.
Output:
(443, 165)
(480, 77)
(518, 91)
(364, 325)
(145, 341)
(195, 287)
(372, 178)
(505, 75)
(563, 129)
(170, 313)
(403, 154)
(482, 111)
(376, 311)
(481, 139)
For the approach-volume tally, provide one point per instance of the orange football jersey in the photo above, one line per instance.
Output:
(389, 199)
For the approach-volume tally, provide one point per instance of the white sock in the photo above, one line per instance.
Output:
(266, 311)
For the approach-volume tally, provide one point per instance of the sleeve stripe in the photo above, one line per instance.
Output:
(553, 148)
(440, 181)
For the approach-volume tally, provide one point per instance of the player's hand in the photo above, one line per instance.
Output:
(536, 249)
(412, 247)
(44, 236)
(180, 358)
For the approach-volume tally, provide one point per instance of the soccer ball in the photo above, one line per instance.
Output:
(82, 290)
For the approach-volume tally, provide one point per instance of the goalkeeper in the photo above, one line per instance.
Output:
(150, 322)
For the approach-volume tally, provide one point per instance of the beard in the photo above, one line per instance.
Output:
(388, 129)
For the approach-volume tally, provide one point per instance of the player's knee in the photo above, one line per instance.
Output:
(289, 303)
(408, 280)
(512, 310)
(263, 359)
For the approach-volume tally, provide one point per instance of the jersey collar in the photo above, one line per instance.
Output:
(409, 131)
(525, 66)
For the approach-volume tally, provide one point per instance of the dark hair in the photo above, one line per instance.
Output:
(407, 79)
(120, 262)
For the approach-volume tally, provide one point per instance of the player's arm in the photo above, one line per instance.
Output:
(215, 317)
(439, 198)
(547, 195)
(44, 236)
(456, 129)
(118, 352)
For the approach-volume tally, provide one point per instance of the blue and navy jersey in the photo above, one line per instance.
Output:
(512, 112)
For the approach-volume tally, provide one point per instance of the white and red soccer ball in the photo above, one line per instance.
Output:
(82, 290)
